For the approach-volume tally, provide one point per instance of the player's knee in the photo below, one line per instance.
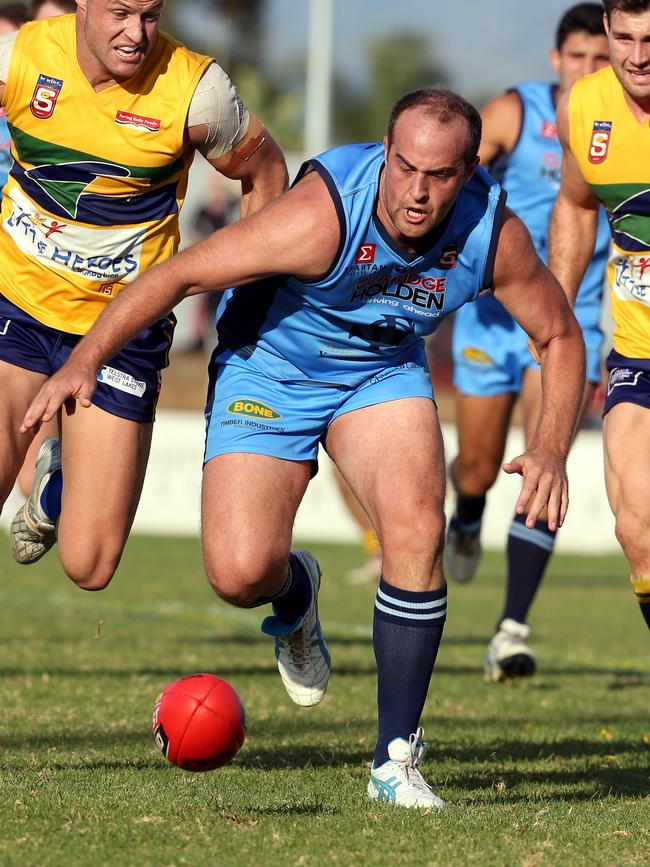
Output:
(241, 581)
(474, 475)
(633, 534)
(90, 575)
(414, 529)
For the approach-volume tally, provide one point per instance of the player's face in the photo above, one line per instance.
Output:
(580, 54)
(629, 47)
(115, 36)
(424, 172)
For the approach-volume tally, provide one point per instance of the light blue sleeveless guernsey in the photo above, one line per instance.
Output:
(373, 307)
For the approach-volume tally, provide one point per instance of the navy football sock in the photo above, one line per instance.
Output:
(294, 599)
(50, 498)
(407, 629)
(529, 550)
(469, 512)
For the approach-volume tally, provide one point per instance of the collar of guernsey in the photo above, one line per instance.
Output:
(613, 152)
(98, 179)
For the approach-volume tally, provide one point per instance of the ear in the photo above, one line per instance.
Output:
(554, 59)
(386, 148)
(606, 23)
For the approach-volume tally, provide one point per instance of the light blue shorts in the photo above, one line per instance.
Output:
(249, 412)
(491, 354)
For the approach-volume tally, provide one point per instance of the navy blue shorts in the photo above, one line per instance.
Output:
(628, 381)
(127, 386)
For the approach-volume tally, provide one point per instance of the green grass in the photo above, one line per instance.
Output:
(551, 771)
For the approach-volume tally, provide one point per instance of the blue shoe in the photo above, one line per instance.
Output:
(303, 658)
(398, 781)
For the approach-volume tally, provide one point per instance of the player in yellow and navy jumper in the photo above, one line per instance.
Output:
(105, 115)
(604, 127)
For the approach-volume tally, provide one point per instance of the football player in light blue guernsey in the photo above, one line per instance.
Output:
(373, 246)
(493, 366)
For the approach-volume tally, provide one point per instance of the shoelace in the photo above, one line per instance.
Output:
(418, 748)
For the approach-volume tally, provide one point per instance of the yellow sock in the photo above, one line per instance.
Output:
(641, 588)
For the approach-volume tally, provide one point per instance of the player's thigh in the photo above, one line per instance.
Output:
(248, 506)
(18, 387)
(104, 458)
(626, 440)
(391, 455)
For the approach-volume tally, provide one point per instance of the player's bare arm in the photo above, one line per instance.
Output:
(533, 297)
(255, 160)
(295, 234)
(501, 118)
(574, 220)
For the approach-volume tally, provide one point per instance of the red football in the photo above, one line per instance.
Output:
(199, 722)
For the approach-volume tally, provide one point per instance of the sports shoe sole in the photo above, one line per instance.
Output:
(510, 668)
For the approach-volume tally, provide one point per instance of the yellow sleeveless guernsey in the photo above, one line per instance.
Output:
(613, 152)
(98, 179)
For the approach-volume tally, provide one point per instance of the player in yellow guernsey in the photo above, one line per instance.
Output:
(604, 127)
(105, 115)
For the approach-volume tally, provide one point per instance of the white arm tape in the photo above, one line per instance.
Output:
(6, 47)
(217, 104)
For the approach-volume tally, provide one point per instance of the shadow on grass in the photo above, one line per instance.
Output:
(587, 785)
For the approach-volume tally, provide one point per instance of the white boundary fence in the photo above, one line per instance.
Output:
(170, 499)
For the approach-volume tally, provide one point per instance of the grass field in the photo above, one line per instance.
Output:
(551, 771)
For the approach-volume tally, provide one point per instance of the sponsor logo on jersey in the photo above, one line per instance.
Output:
(599, 144)
(137, 121)
(449, 257)
(365, 254)
(622, 376)
(251, 407)
(384, 333)
(121, 381)
(45, 96)
(549, 129)
(472, 353)
(420, 290)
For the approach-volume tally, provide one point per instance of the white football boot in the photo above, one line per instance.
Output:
(508, 655)
(368, 573)
(462, 553)
(32, 533)
(302, 655)
(398, 781)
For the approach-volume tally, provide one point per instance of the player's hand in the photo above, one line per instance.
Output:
(69, 385)
(545, 486)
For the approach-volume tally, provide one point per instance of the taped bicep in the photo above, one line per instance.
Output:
(217, 106)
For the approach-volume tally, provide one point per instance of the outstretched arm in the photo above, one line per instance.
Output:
(295, 234)
(574, 220)
(534, 298)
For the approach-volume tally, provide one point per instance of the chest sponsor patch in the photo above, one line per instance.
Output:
(599, 144)
(137, 121)
(549, 129)
(121, 381)
(46, 93)
(365, 254)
